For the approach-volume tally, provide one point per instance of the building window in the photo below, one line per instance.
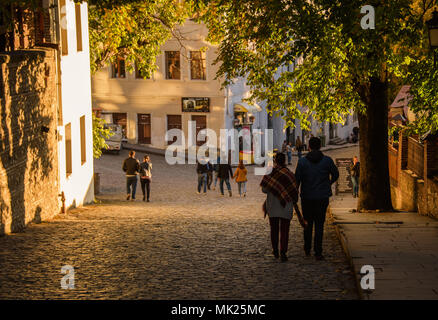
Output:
(139, 74)
(144, 128)
(78, 27)
(173, 70)
(197, 65)
(83, 145)
(68, 153)
(64, 40)
(118, 69)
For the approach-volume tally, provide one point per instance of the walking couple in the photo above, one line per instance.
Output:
(132, 167)
(315, 174)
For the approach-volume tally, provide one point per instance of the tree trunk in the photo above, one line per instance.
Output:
(375, 191)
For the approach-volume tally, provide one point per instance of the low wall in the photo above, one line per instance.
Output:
(428, 199)
(28, 142)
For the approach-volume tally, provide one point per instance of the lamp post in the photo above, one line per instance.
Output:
(432, 26)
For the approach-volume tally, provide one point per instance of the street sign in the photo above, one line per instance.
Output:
(344, 184)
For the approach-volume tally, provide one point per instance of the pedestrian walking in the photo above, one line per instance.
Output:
(289, 153)
(284, 147)
(282, 196)
(202, 170)
(241, 178)
(225, 172)
(315, 174)
(355, 172)
(210, 170)
(216, 171)
(131, 167)
(299, 146)
(146, 177)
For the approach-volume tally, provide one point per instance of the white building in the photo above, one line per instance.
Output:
(75, 128)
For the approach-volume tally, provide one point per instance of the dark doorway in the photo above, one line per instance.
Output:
(174, 122)
(144, 128)
(201, 123)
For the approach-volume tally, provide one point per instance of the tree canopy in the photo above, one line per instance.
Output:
(258, 37)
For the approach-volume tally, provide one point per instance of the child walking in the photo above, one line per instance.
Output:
(241, 179)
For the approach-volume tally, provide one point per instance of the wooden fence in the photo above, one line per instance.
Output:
(393, 164)
(415, 157)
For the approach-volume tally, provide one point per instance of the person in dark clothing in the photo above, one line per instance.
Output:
(209, 175)
(224, 174)
(315, 174)
(355, 172)
(146, 177)
(202, 170)
(131, 167)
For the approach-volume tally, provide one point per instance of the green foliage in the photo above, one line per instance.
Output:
(134, 30)
(337, 58)
(100, 133)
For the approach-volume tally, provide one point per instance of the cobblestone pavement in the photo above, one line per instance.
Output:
(181, 245)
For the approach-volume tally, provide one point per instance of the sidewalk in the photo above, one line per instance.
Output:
(402, 247)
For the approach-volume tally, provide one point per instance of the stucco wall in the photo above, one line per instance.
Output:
(160, 97)
(76, 102)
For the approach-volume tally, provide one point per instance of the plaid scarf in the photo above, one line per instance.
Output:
(282, 184)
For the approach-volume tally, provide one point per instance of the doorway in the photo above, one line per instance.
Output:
(201, 123)
(174, 122)
(144, 128)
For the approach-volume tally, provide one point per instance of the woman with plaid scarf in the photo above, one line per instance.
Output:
(282, 197)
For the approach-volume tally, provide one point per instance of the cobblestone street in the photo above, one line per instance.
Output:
(181, 245)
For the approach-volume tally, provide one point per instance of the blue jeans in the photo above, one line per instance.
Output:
(242, 187)
(227, 181)
(355, 181)
(131, 182)
(202, 180)
(289, 157)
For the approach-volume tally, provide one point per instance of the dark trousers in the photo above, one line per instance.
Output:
(146, 187)
(227, 182)
(131, 183)
(209, 179)
(314, 213)
(279, 226)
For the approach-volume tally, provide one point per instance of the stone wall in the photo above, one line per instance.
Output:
(28, 139)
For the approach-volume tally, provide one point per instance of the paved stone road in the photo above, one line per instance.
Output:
(181, 245)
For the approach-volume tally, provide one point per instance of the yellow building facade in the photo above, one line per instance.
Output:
(183, 88)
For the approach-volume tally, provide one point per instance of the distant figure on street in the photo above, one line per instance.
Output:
(289, 153)
(299, 147)
(216, 171)
(241, 178)
(202, 170)
(225, 172)
(210, 170)
(315, 174)
(282, 197)
(146, 177)
(355, 172)
(284, 147)
(131, 167)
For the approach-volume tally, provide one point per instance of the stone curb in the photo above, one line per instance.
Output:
(344, 243)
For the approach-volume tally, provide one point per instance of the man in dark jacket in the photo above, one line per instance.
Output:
(202, 170)
(131, 167)
(224, 174)
(315, 174)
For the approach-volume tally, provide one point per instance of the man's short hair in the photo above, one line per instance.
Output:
(314, 143)
(131, 153)
(280, 159)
